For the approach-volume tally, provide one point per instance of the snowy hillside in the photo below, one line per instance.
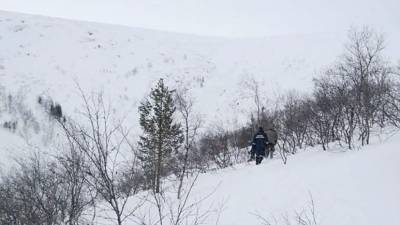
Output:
(352, 188)
(348, 188)
(40, 55)
(360, 187)
(52, 58)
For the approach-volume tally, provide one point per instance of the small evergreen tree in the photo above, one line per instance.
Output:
(162, 136)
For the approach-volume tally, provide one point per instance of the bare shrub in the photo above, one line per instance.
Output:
(102, 142)
(214, 146)
(186, 210)
(191, 124)
(37, 192)
(307, 216)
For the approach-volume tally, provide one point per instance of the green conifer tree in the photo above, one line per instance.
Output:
(162, 136)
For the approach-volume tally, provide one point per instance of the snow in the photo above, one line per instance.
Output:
(223, 17)
(10, 146)
(48, 56)
(42, 56)
(348, 188)
(358, 187)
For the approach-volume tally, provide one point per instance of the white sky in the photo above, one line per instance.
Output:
(230, 18)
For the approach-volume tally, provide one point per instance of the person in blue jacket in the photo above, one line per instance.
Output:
(259, 144)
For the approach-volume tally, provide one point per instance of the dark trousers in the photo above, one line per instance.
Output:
(259, 159)
(258, 155)
(270, 148)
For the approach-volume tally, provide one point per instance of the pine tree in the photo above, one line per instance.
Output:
(162, 136)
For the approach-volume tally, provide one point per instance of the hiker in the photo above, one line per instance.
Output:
(272, 137)
(258, 145)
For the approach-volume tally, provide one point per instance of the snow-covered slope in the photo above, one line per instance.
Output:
(48, 56)
(42, 56)
(360, 187)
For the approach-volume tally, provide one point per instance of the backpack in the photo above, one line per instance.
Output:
(272, 136)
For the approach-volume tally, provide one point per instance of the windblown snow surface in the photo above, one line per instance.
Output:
(47, 56)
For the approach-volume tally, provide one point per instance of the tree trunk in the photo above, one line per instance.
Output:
(158, 173)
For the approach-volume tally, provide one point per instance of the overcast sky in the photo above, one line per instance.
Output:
(229, 18)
